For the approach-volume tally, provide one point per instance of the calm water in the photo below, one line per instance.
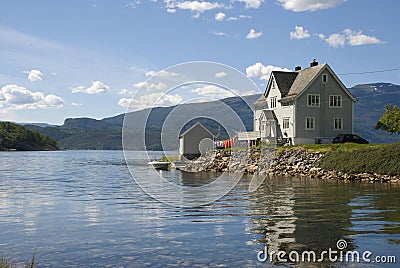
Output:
(83, 209)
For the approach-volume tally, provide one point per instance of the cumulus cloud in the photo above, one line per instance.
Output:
(220, 75)
(151, 100)
(161, 74)
(350, 37)
(253, 34)
(15, 97)
(261, 71)
(97, 87)
(213, 92)
(220, 16)
(126, 92)
(251, 3)
(34, 75)
(309, 5)
(195, 6)
(299, 33)
(150, 86)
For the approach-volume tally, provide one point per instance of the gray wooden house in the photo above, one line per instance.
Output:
(302, 107)
(195, 141)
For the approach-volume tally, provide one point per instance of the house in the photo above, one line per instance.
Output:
(195, 141)
(302, 107)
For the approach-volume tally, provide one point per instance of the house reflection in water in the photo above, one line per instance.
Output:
(301, 214)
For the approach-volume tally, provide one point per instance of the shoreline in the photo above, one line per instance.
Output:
(291, 161)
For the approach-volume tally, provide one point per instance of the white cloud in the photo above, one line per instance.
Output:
(350, 37)
(196, 6)
(161, 73)
(150, 86)
(171, 10)
(357, 38)
(151, 100)
(220, 75)
(124, 102)
(253, 34)
(196, 15)
(262, 71)
(15, 97)
(76, 104)
(213, 92)
(251, 3)
(126, 92)
(133, 4)
(217, 33)
(309, 5)
(336, 40)
(34, 75)
(97, 87)
(220, 16)
(299, 33)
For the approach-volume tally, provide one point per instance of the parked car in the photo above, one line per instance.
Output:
(342, 138)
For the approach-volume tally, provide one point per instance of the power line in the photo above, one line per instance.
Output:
(372, 72)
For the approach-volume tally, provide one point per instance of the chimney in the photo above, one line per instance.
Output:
(314, 63)
(297, 68)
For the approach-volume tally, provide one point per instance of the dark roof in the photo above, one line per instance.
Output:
(291, 84)
(304, 78)
(195, 125)
(268, 114)
(284, 81)
(260, 102)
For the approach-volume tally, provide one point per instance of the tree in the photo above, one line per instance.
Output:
(390, 120)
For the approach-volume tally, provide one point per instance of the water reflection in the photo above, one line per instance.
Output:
(84, 210)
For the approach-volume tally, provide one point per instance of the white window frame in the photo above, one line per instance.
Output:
(338, 100)
(314, 102)
(313, 123)
(273, 102)
(324, 78)
(286, 123)
(335, 125)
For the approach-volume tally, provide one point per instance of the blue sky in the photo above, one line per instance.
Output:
(79, 58)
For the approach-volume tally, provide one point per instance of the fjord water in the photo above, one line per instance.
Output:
(83, 209)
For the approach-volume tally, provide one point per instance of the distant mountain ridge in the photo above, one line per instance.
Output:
(105, 134)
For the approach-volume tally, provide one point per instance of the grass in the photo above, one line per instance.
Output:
(326, 148)
(381, 159)
(168, 158)
(7, 263)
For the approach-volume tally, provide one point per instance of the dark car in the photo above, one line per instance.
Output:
(342, 138)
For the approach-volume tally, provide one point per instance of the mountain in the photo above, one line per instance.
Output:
(15, 137)
(372, 99)
(87, 133)
(105, 134)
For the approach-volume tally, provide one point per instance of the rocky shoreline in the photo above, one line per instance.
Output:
(289, 162)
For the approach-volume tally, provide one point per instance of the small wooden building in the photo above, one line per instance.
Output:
(195, 141)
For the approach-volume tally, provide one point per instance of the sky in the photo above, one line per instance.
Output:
(78, 58)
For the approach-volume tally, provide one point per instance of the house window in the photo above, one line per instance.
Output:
(324, 78)
(338, 124)
(335, 101)
(273, 83)
(273, 102)
(310, 123)
(313, 100)
(285, 122)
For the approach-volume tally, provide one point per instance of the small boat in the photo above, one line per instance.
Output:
(160, 165)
